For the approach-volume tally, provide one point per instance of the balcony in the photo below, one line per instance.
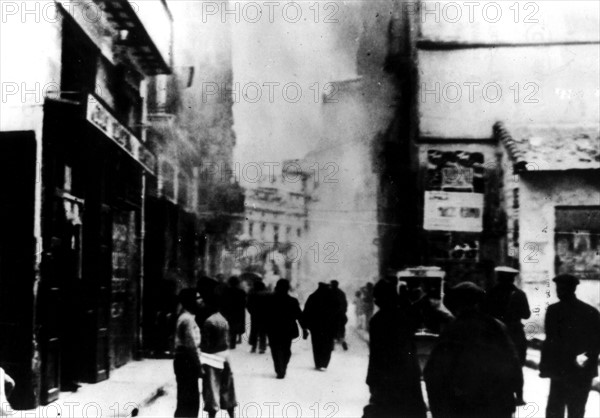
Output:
(146, 32)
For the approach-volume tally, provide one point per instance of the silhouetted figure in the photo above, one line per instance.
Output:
(319, 317)
(474, 370)
(284, 314)
(394, 377)
(233, 309)
(218, 390)
(187, 356)
(368, 304)
(341, 307)
(570, 351)
(256, 307)
(509, 304)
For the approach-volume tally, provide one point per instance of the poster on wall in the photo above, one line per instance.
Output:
(453, 211)
(454, 171)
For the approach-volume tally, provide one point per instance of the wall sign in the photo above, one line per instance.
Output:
(99, 116)
(454, 171)
(453, 211)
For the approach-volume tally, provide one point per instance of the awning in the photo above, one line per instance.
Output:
(148, 32)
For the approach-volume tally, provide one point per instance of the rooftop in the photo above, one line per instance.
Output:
(551, 148)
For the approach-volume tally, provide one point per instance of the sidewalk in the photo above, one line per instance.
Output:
(129, 388)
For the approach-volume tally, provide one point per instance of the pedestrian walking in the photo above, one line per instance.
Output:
(570, 351)
(284, 315)
(474, 370)
(218, 390)
(319, 317)
(359, 309)
(186, 364)
(233, 308)
(256, 307)
(509, 304)
(393, 376)
(341, 318)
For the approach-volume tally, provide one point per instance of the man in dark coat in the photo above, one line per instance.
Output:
(474, 370)
(341, 307)
(509, 304)
(233, 308)
(394, 377)
(283, 314)
(256, 308)
(319, 317)
(570, 351)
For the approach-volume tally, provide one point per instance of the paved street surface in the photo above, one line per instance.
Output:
(339, 392)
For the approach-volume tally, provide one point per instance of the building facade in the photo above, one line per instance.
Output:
(71, 270)
(193, 206)
(514, 65)
(272, 239)
(552, 198)
(431, 80)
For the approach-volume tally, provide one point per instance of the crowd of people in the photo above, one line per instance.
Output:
(475, 367)
(212, 320)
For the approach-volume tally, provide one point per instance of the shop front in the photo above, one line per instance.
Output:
(89, 298)
(553, 210)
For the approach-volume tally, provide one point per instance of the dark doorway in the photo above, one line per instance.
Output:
(18, 251)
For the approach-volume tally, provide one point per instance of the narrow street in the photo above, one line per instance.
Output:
(305, 392)
(338, 392)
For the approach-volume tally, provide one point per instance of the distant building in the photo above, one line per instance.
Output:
(342, 187)
(273, 232)
(358, 176)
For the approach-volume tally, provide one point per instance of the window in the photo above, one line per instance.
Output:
(275, 234)
(515, 198)
(577, 241)
(251, 229)
(167, 177)
(161, 92)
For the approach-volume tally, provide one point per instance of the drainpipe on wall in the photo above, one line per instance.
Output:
(142, 240)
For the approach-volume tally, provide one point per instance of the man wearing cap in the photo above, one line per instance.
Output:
(570, 351)
(509, 304)
(474, 370)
